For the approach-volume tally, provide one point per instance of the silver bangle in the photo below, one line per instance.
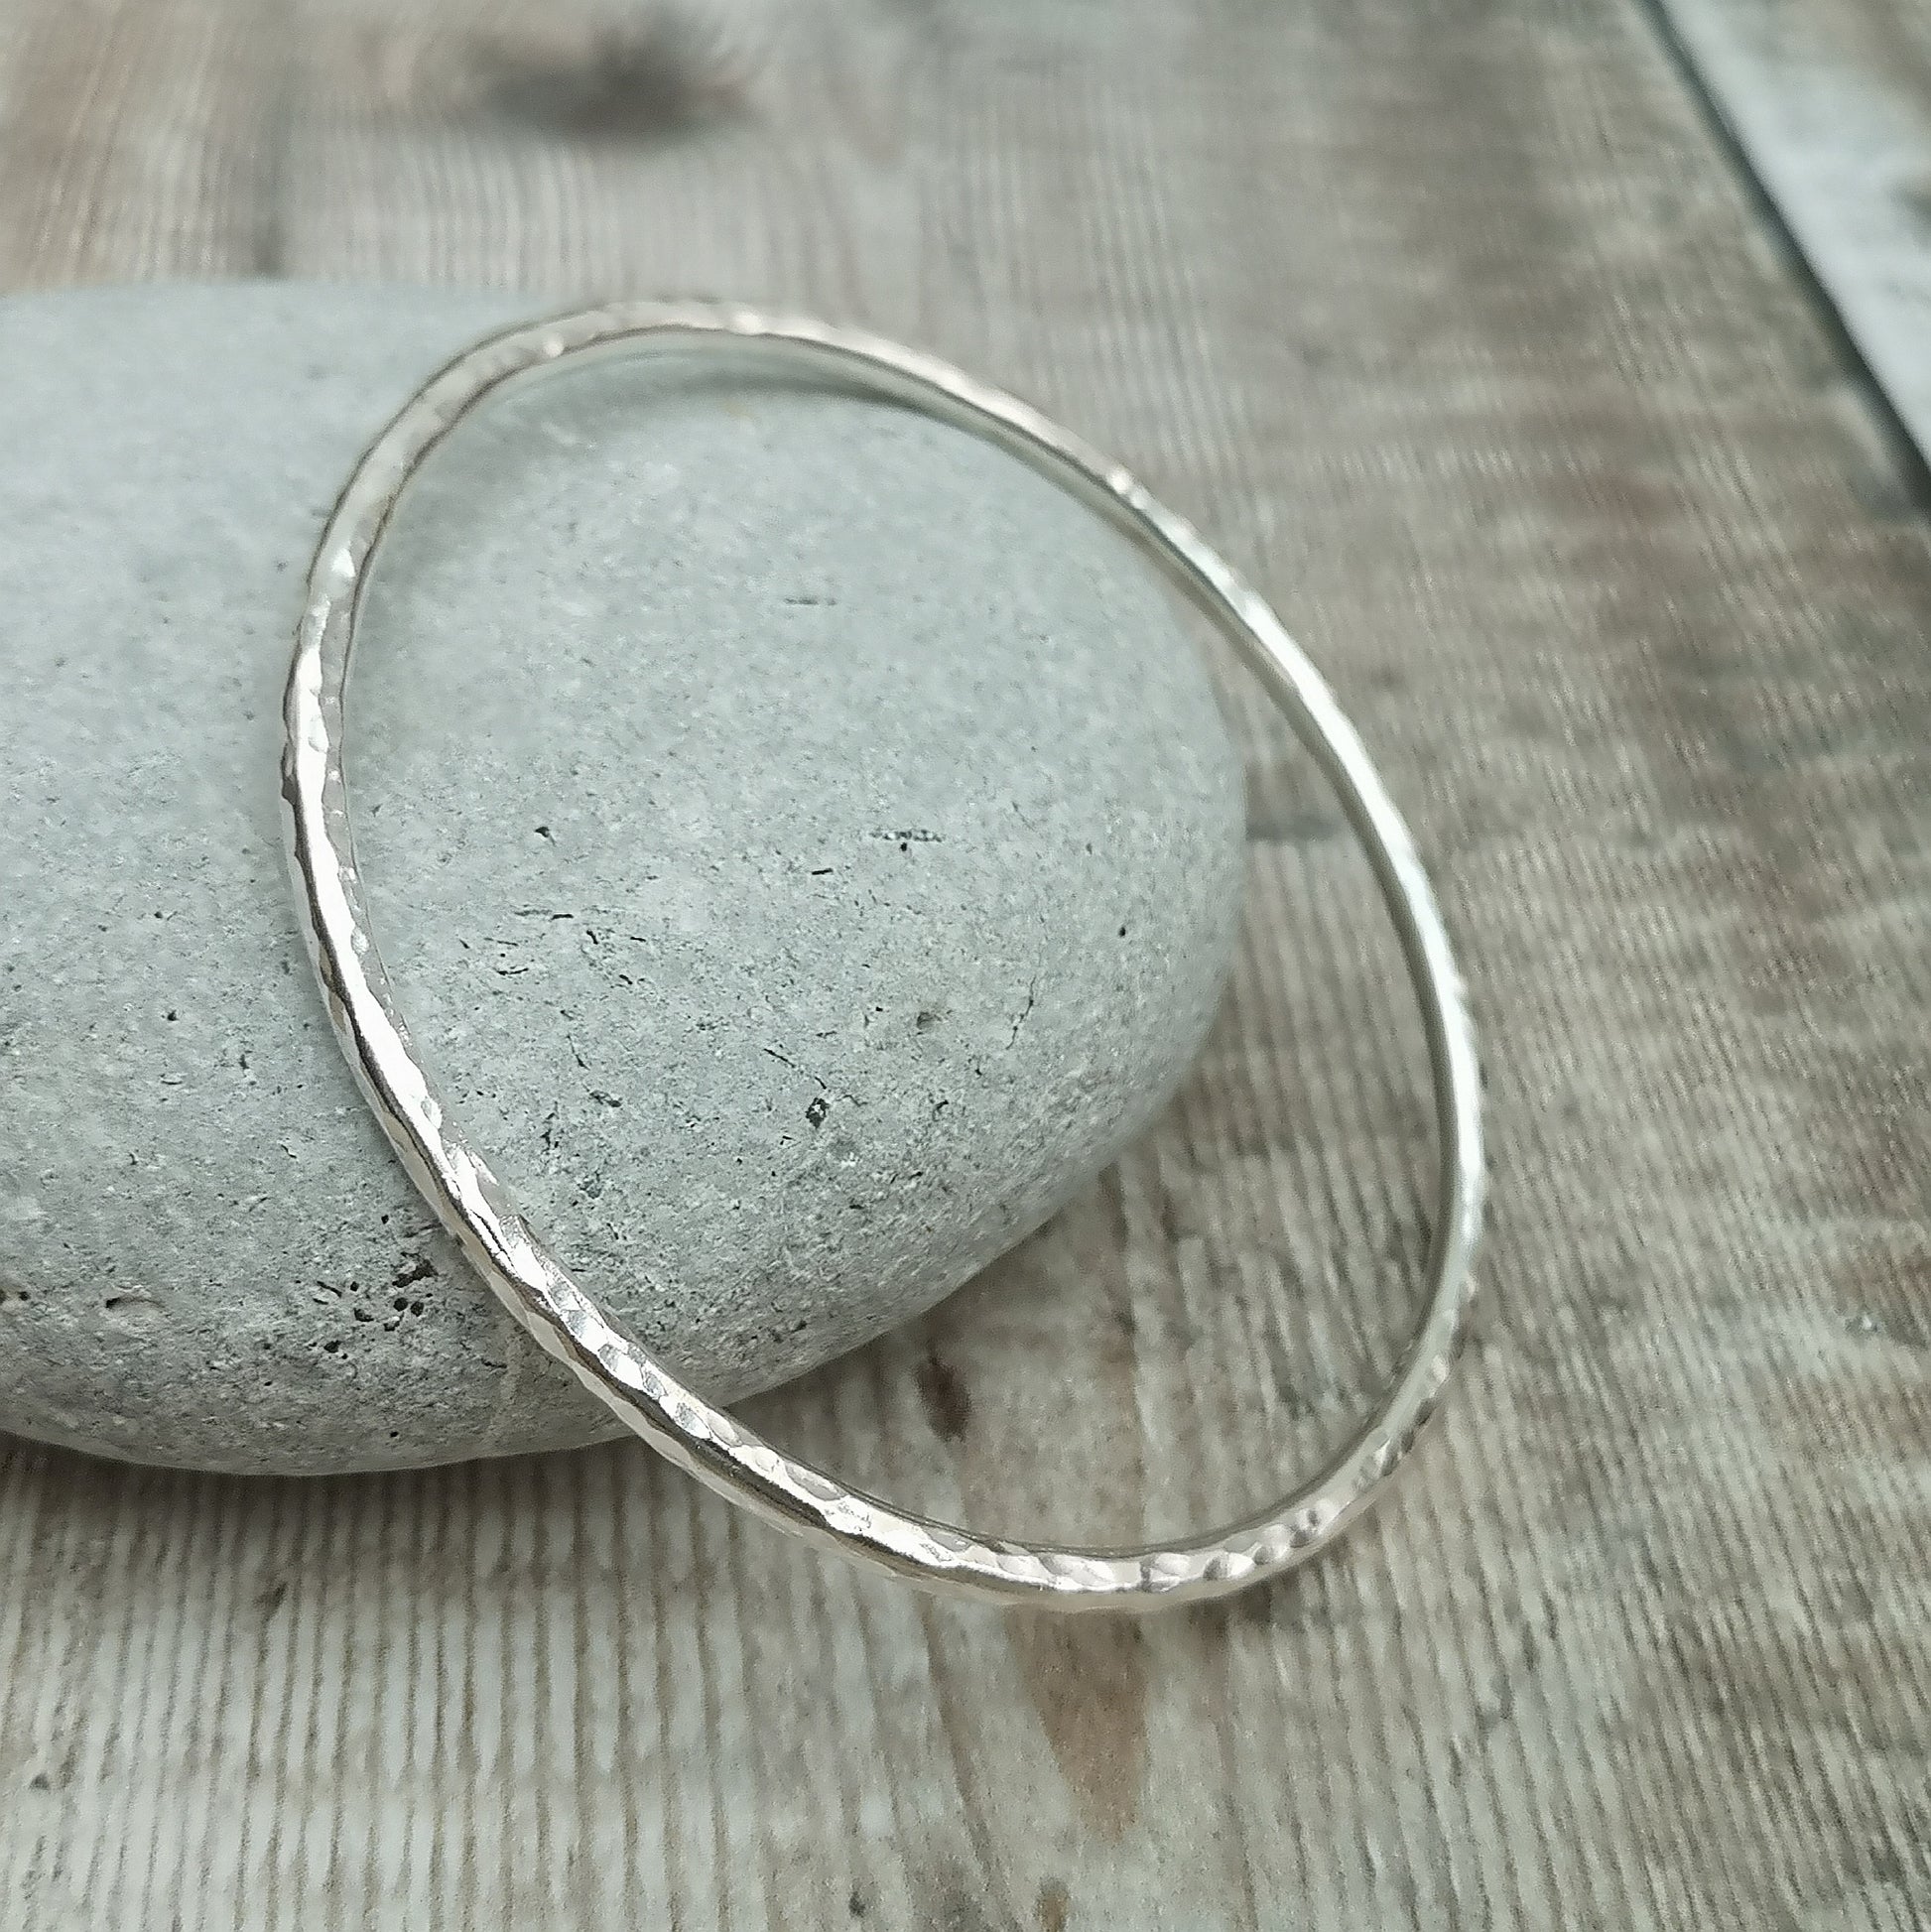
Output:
(674, 1420)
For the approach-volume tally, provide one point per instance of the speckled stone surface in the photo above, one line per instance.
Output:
(804, 842)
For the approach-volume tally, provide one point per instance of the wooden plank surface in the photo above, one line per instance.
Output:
(1451, 320)
(1831, 103)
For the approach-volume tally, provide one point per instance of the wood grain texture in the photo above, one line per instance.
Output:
(1831, 100)
(1450, 321)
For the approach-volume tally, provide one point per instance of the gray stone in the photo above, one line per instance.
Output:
(804, 843)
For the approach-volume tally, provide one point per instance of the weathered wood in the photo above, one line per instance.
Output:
(1831, 100)
(1452, 323)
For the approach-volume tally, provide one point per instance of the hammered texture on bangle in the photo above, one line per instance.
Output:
(724, 1455)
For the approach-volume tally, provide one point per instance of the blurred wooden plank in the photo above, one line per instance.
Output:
(138, 138)
(1453, 323)
(1831, 103)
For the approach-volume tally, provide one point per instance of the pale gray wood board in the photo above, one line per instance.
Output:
(1831, 103)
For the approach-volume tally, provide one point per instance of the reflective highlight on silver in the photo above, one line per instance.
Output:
(720, 1453)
